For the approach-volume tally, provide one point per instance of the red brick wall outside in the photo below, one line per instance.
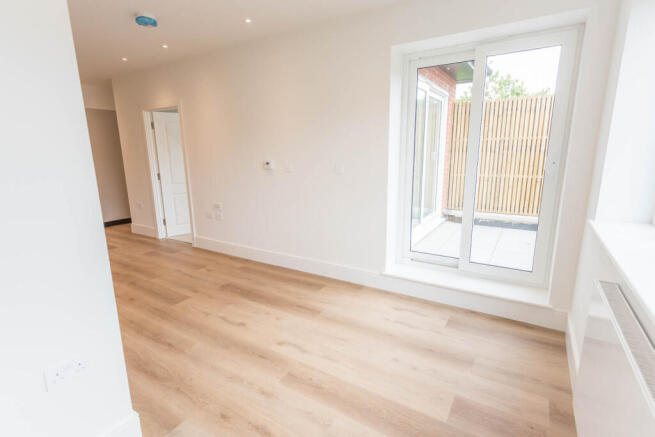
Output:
(441, 78)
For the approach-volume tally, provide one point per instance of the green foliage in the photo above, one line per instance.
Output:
(504, 87)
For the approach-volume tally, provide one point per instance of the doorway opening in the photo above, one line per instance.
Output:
(168, 168)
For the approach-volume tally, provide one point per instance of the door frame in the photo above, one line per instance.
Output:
(450, 55)
(568, 39)
(153, 169)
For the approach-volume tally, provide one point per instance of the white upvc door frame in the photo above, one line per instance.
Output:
(408, 155)
(568, 39)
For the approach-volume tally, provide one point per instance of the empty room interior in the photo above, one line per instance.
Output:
(339, 218)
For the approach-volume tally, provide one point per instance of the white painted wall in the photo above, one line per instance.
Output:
(57, 297)
(595, 265)
(593, 260)
(98, 94)
(623, 190)
(105, 145)
(627, 190)
(320, 97)
(626, 159)
(108, 163)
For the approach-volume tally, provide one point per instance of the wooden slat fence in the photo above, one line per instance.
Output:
(514, 142)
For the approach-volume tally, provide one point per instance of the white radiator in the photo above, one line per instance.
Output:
(616, 379)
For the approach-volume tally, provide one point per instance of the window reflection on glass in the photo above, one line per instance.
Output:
(440, 140)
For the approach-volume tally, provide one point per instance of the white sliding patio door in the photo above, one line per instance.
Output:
(436, 171)
(486, 138)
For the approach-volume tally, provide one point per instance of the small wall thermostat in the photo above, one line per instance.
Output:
(269, 164)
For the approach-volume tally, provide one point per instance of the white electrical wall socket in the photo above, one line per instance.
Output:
(339, 168)
(59, 377)
(269, 164)
(218, 215)
(218, 206)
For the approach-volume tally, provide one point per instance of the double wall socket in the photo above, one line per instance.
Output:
(58, 377)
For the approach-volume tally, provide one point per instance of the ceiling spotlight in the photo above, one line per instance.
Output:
(124, 59)
(248, 20)
(165, 46)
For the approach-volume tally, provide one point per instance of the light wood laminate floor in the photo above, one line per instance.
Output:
(222, 346)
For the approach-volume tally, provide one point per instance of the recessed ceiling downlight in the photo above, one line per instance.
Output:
(146, 20)
(124, 59)
(248, 20)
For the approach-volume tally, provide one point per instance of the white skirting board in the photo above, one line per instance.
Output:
(148, 231)
(130, 426)
(523, 312)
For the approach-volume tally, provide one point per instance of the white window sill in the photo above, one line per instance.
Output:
(450, 278)
(631, 248)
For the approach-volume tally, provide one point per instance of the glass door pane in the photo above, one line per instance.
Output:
(519, 93)
(443, 97)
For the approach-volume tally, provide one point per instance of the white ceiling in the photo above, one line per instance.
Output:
(105, 31)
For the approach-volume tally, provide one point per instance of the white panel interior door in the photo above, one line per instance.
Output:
(170, 156)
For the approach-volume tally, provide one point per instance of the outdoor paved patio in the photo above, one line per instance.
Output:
(505, 247)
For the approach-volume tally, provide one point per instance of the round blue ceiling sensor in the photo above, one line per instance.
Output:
(146, 21)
